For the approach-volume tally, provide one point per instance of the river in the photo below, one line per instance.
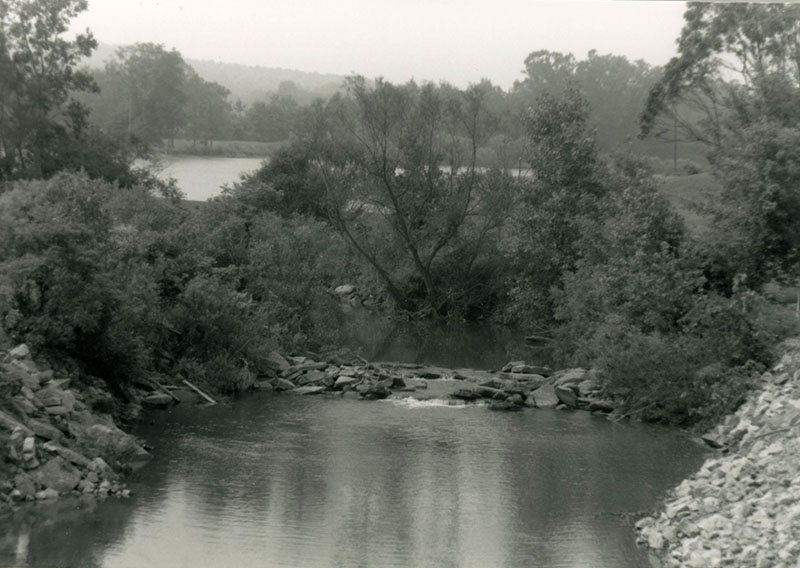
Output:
(283, 480)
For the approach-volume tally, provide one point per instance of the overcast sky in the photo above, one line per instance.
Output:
(460, 41)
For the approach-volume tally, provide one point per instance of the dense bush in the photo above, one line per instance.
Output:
(116, 279)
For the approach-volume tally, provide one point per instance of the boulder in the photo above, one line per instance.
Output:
(277, 362)
(59, 474)
(567, 396)
(311, 377)
(283, 385)
(99, 465)
(112, 442)
(344, 290)
(533, 381)
(373, 391)
(21, 351)
(157, 400)
(545, 396)
(503, 405)
(308, 390)
(466, 394)
(570, 377)
(344, 381)
(489, 392)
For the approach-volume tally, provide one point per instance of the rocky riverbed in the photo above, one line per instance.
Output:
(55, 439)
(58, 434)
(742, 508)
(518, 385)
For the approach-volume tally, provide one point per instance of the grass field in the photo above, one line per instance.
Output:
(691, 196)
(226, 148)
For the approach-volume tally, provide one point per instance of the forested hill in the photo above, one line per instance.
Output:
(248, 83)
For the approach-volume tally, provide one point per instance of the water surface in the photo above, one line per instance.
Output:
(201, 177)
(316, 482)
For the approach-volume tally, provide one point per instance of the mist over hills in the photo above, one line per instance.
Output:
(246, 82)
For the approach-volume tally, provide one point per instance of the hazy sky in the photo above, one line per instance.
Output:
(460, 41)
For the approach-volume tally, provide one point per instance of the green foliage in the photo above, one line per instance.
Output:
(287, 184)
(144, 94)
(402, 184)
(566, 191)
(38, 73)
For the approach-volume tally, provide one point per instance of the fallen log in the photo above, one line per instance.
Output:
(198, 391)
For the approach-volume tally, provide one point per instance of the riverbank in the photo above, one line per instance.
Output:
(222, 148)
(57, 434)
(742, 508)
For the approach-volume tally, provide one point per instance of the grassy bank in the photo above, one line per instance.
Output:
(223, 148)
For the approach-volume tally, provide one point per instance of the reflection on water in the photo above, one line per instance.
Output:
(451, 345)
(313, 482)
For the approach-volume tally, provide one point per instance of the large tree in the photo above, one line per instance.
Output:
(738, 71)
(403, 186)
(38, 73)
(154, 83)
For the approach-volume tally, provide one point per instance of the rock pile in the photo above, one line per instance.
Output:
(518, 385)
(52, 442)
(743, 507)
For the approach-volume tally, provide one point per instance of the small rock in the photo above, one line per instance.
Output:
(48, 493)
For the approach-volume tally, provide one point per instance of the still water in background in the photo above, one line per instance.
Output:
(201, 177)
(315, 482)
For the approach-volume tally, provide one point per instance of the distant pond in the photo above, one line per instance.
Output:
(201, 177)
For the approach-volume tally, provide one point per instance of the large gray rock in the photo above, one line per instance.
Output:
(112, 443)
(570, 377)
(311, 377)
(344, 290)
(344, 381)
(277, 362)
(545, 397)
(59, 474)
(567, 395)
(466, 394)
